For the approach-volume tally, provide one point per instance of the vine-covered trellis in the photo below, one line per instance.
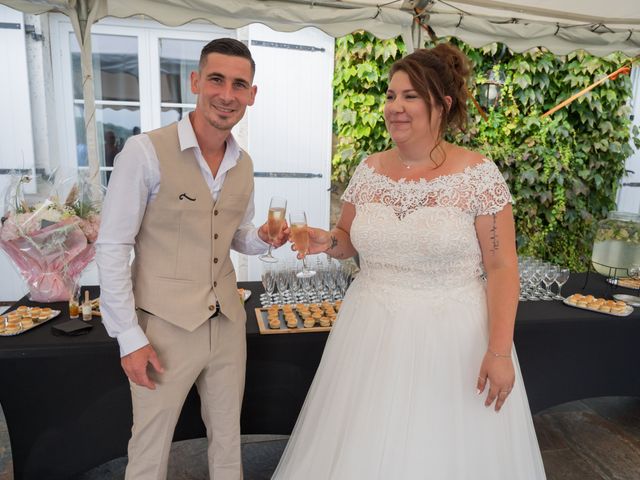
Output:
(563, 171)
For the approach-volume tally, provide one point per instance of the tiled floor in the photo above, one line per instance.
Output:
(596, 439)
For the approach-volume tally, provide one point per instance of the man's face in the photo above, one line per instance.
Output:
(224, 88)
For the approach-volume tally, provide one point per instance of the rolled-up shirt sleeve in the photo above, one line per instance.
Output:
(130, 188)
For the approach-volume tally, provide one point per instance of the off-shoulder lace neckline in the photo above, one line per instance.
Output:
(425, 181)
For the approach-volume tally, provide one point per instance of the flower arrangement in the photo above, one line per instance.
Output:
(51, 241)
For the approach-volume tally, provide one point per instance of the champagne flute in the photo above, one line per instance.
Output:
(300, 236)
(281, 284)
(269, 284)
(277, 209)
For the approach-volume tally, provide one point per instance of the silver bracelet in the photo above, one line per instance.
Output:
(498, 355)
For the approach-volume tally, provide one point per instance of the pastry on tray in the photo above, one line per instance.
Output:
(597, 304)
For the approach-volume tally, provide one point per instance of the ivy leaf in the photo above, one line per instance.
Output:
(522, 80)
(615, 147)
(390, 51)
(597, 178)
(378, 51)
(545, 64)
(606, 126)
(592, 64)
(530, 176)
(545, 197)
(369, 100)
(348, 116)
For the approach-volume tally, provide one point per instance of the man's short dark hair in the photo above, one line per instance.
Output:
(227, 46)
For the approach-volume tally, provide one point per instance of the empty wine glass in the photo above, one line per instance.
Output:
(524, 280)
(329, 280)
(300, 236)
(294, 285)
(269, 284)
(535, 277)
(561, 279)
(282, 284)
(549, 276)
(277, 209)
(343, 278)
(318, 282)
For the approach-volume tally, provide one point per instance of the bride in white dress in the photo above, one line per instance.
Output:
(419, 378)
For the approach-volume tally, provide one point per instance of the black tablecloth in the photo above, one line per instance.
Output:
(568, 353)
(67, 404)
(68, 408)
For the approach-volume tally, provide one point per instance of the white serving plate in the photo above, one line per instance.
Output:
(626, 313)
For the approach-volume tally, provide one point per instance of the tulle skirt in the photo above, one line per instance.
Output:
(395, 395)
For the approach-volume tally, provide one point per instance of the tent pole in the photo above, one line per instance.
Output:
(82, 18)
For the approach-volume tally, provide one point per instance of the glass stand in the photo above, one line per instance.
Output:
(615, 274)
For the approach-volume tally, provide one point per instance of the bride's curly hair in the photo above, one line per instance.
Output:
(436, 73)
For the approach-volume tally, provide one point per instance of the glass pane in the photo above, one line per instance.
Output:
(114, 124)
(170, 115)
(115, 67)
(104, 174)
(178, 58)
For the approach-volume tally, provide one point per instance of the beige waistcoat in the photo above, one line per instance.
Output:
(182, 264)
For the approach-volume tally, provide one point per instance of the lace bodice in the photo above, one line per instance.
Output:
(421, 234)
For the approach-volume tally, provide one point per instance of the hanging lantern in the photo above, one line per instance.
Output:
(490, 90)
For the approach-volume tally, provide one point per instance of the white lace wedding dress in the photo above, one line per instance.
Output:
(394, 397)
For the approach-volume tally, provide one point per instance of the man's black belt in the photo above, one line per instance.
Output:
(217, 312)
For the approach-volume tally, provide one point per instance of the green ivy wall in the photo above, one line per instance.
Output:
(563, 171)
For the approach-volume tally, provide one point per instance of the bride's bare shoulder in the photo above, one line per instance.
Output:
(466, 158)
(377, 160)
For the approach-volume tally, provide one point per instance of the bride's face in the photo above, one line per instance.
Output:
(405, 112)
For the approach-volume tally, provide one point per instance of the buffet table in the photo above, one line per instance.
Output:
(67, 404)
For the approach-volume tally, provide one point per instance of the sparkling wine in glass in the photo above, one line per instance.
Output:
(277, 210)
(300, 236)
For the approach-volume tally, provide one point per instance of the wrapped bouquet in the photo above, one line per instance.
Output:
(51, 238)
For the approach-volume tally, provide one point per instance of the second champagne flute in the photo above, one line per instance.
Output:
(300, 236)
(277, 210)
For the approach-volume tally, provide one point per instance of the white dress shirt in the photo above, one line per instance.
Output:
(134, 184)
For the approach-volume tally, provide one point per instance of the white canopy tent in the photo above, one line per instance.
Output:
(599, 27)
(595, 26)
(335, 20)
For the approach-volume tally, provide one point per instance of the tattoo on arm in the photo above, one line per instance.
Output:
(334, 243)
(495, 243)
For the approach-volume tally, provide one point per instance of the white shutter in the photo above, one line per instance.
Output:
(16, 139)
(629, 193)
(289, 126)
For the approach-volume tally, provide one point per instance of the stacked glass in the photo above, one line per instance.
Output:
(283, 285)
(537, 277)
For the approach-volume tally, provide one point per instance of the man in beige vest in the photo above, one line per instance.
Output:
(182, 197)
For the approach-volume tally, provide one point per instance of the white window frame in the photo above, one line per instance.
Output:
(148, 34)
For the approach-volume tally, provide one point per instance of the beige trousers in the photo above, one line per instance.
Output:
(214, 358)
